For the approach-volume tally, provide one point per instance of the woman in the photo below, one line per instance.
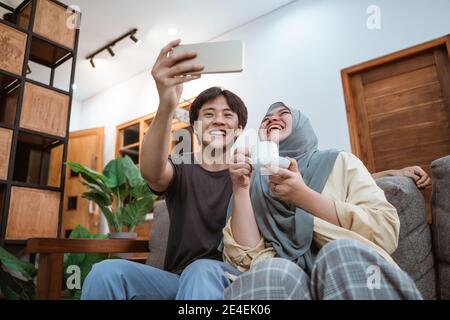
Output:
(324, 217)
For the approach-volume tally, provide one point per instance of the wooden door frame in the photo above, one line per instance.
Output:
(100, 132)
(358, 132)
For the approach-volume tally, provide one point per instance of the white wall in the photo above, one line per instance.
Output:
(295, 55)
(75, 115)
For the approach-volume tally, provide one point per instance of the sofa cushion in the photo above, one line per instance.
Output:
(440, 203)
(414, 253)
(158, 239)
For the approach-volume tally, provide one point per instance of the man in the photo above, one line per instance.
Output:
(197, 188)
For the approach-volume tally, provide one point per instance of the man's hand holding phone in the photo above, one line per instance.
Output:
(169, 75)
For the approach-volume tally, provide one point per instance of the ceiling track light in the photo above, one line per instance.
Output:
(111, 52)
(131, 34)
(136, 40)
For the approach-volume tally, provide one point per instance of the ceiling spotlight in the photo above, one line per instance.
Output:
(136, 40)
(74, 86)
(172, 31)
(111, 52)
(130, 34)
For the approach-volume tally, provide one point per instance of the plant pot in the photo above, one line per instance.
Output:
(123, 235)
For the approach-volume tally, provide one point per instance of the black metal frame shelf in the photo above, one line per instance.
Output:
(34, 186)
(13, 25)
(8, 76)
(51, 61)
(41, 46)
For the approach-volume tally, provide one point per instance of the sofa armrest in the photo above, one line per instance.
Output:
(414, 252)
(440, 204)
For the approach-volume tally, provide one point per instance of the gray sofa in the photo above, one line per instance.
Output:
(423, 250)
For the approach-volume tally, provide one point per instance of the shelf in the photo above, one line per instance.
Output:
(8, 105)
(130, 135)
(32, 213)
(130, 146)
(132, 152)
(34, 35)
(5, 151)
(44, 110)
(50, 22)
(48, 53)
(38, 160)
(12, 43)
(8, 80)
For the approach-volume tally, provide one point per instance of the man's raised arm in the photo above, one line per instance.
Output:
(169, 78)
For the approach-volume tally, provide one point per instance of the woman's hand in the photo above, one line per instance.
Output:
(241, 170)
(287, 184)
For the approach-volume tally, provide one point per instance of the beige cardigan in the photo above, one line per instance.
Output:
(363, 212)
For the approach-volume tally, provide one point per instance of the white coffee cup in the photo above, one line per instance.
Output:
(266, 153)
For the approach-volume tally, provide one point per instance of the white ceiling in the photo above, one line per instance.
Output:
(104, 20)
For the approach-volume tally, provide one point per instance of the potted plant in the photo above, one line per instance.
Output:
(120, 192)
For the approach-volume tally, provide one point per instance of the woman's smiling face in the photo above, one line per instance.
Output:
(276, 125)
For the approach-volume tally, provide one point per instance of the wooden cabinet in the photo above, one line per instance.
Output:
(34, 119)
(51, 21)
(130, 135)
(32, 213)
(44, 110)
(12, 49)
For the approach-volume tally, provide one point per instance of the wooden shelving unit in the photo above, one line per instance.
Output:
(34, 118)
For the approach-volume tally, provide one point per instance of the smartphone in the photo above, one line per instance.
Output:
(216, 57)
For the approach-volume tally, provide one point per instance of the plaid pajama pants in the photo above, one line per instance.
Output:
(343, 269)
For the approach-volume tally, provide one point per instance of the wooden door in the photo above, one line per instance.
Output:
(398, 107)
(85, 147)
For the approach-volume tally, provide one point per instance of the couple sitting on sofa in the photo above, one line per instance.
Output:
(320, 229)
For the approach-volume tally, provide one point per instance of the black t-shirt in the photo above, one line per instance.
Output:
(197, 202)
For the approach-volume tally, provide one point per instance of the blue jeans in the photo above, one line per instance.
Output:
(125, 280)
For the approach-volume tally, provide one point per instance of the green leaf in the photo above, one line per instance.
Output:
(118, 219)
(98, 198)
(16, 289)
(15, 264)
(135, 212)
(114, 173)
(141, 190)
(132, 172)
(88, 174)
(80, 232)
(108, 214)
(99, 187)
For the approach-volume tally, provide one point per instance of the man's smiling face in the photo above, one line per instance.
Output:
(218, 123)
